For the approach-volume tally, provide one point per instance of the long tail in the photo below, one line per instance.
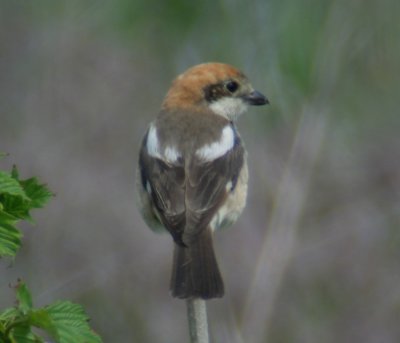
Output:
(195, 272)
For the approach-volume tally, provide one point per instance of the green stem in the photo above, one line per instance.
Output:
(15, 323)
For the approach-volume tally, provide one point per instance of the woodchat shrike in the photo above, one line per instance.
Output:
(192, 175)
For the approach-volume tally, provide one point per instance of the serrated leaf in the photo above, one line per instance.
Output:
(42, 319)
(10, 237)
(9, 314)
(24, 298)
(9, 185)
(17, 206)
(67, 323)
(38, 193)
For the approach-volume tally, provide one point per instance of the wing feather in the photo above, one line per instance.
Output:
(187, 193)
(206, 189)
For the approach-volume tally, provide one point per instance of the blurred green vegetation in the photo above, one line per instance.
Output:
(82, 79)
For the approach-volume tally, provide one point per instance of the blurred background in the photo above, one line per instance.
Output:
(315, 256)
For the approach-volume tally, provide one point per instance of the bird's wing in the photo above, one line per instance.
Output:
(207, 185)
(185, 196)
(164, 183)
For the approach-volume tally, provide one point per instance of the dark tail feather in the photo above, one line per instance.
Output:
(195, 272)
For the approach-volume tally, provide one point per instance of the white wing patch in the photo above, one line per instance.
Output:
(152, 142)
(170, 154)
(217, 149)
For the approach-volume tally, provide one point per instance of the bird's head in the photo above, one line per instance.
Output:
(218, 87)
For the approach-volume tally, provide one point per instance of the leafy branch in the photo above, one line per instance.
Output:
(64, 321)
(17, 198)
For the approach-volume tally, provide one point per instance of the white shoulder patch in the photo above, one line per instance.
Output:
(217, 149)
(169, 154)
(152, 143)
(230, 108)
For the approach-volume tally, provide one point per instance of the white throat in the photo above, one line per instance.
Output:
(230, 108)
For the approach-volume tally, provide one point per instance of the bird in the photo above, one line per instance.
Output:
(192, 171)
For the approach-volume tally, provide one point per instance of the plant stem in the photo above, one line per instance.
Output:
(18, 321)
(197, 317)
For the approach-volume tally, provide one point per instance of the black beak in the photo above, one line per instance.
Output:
(256, 98)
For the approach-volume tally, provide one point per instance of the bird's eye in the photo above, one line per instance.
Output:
(232, 86)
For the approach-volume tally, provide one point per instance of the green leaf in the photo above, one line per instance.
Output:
(42, 319)
(38, 193)
(23, 334)
(8, 314)
(14, 172)
(66, 322)
(24, 298)
(17, 198)
(10, 237)
(9, 185)
(16, 206)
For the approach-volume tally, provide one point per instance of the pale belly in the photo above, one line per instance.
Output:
(234, 204)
